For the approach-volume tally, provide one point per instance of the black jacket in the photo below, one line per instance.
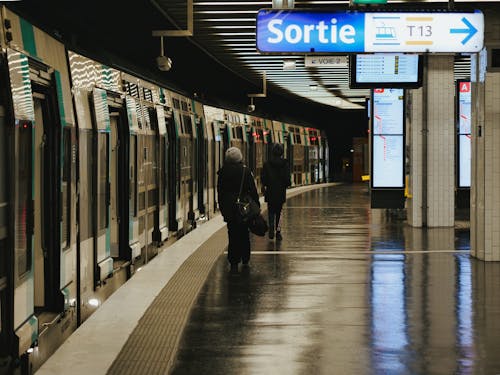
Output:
(276, 178)
(228, 187)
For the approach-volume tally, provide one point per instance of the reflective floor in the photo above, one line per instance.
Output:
(348, 291)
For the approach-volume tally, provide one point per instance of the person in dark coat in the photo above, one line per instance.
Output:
(228, 187)
(275, 179)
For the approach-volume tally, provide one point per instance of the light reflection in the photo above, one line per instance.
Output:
(388, 320)
(464, 331)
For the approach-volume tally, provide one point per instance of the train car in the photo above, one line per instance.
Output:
(38, 226)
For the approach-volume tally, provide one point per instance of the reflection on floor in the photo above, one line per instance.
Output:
(348, 291)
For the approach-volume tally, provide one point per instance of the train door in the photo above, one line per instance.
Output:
(189, 172)
(251, 148)
(113, 185)
(103, 264)
(48, 206)
(202, 165)
(161, 216)
(287, 140)
(119, 186)
(173, 175)
(218, 156)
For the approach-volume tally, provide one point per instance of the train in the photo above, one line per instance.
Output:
(100, 170)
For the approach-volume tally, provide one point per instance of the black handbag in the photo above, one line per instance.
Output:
(246, 207)
(258, 225)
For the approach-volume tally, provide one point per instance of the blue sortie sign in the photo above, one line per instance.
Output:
(296, 31)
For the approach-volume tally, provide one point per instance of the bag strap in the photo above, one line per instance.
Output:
(241, 183)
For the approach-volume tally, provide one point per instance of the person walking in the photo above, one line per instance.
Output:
(275, 179)
(229, 181)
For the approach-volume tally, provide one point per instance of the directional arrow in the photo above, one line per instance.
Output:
(471, 31)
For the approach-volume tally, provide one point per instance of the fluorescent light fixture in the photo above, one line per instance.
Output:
(289, 64)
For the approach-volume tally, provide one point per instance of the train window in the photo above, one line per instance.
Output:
(239, 132)
(103, 187)
(184, 106)
(23, 208)
(66, 189)
(132, 89)
(147, 94)
(260, 134)
(188, 125)
(177, 104)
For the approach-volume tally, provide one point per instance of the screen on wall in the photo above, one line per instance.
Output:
(388, 138)
(385, 70)
(464, 134)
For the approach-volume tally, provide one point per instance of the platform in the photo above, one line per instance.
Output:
(349, 290)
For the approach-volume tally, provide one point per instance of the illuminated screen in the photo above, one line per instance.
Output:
(388, 139)
(464, 136)
(385, 70)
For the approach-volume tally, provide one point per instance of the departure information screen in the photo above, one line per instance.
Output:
(385, 70)
(388, 138)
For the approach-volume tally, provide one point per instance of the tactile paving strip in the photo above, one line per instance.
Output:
(152, 346)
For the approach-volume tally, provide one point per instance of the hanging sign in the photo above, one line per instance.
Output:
(297, 31)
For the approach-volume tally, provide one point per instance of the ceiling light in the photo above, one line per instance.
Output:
(289, 64)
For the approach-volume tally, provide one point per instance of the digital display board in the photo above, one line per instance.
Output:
(385, 70)
(388, 138)
(464, 133)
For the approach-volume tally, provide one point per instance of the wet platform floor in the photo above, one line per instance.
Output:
(349, 290)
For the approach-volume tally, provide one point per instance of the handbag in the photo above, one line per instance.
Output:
(258, 225)
(246, 207)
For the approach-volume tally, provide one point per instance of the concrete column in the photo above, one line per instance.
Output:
(432, 147)
(485, 182)
(485, 192)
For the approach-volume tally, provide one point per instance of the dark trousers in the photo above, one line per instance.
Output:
(274, 215)
(239, 243)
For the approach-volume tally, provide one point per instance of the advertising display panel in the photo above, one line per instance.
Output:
(388, 138)
(464, 134)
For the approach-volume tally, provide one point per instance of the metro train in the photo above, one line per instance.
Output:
(99, 170)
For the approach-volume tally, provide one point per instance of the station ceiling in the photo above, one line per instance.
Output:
(225, 29)
(222, 46)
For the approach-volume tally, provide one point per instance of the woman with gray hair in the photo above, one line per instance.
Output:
(233, 175)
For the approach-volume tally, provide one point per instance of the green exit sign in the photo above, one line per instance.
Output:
(369, 1)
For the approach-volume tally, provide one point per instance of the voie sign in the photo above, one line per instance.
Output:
(297, 31)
